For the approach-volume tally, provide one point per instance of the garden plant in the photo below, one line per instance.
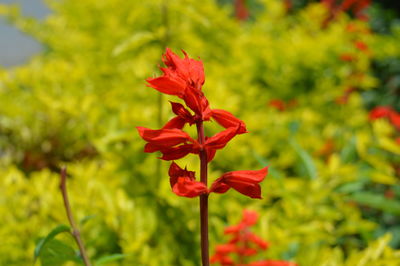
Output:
(315, 84)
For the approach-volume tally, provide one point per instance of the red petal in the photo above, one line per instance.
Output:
(167, 85)
(250, 175)
(245, 182)
(175, 153)
(192, 71)
(195, 100)
(226, 119)
(219, 140)
(246, 188)
(185, 187)
(233, 229)
(180, 110)
(176, 171)
(210, 154)
(225, 248)
(149, 147)
(164, 137)
(219, 187)
(257, 240)
(176, 122)
(247, 251)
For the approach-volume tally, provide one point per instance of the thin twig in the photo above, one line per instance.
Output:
(75, 232)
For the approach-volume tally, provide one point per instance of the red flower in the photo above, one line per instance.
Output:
(241, 11)
(244, 243)
(347, 57)
(362, 46)
(379, 112)
(183, 78)
(183, 182)
(245, 182)
(278, 104)
(179, 75)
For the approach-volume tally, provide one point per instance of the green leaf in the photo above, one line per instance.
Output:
(377, 201)
(59, 229)
(305, 158)
(86, 218)
(56, 253)
(109, 258)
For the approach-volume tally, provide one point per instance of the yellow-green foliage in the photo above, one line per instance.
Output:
(79, 102)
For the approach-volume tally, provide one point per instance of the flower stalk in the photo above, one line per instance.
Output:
(203, 198)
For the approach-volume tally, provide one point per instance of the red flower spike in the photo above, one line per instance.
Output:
(226, 119)
(245, 182)
(244, 244)
(183, 182)
(184, 77)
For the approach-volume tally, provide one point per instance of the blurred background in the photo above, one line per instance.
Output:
(316, 82)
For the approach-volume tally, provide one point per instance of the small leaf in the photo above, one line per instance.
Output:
(56, 253)
(305, 158)
(59, 229)
(110, 258)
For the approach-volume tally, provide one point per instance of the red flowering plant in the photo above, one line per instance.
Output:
(381, 112)
(243, 245)
(184, 78)
(357, 8)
